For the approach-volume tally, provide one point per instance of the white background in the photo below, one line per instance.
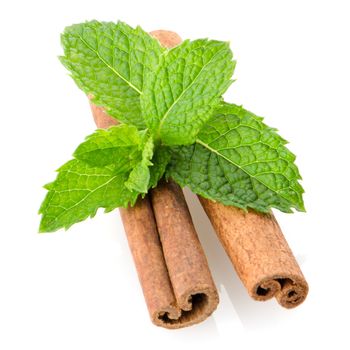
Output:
(79, 289)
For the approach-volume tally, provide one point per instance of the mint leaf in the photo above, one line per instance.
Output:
(119, 145)
(79, 190)
(238, 160)
(160, 160)
(139, 177)
(109, 62)
(147, 151)
(178, 99)
(156, 169)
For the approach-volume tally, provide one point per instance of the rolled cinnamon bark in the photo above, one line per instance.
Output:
(146, 249)
(174, 273)
(193, 286)
(259, 253)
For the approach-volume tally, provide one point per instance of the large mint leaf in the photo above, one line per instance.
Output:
(79, 190)
(109, 62)
(179, 98)
(238, 160)
(119, 145)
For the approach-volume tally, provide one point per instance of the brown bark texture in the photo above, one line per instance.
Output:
(169, 259)
(259, 253)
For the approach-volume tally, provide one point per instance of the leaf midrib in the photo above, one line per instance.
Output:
(79, 154)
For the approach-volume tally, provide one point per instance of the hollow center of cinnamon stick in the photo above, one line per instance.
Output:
(262, 291)
(198, 301)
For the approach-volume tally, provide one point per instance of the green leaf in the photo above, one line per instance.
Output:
(160, 160)
(109, 62)
(119, 145)
(79, 190)
(140, 176)
(179, 98)
(147, 151)
(238, 160)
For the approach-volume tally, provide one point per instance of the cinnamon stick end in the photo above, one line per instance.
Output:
(259, 252)
(200, 304)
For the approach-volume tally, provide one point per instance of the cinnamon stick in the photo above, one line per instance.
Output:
(173, 270)
(259, 253)
(187, 265)
(141, 231)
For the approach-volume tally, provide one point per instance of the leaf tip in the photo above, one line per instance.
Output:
(42, 227)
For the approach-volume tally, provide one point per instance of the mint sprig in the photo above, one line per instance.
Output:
(174, 124)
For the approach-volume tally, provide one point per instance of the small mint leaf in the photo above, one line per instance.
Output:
(119, 145)
(140, 175)
(79, 190)
(139, 178)
(160, 160)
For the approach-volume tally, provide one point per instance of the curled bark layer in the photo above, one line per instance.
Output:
(173, 270)
(259, 253)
